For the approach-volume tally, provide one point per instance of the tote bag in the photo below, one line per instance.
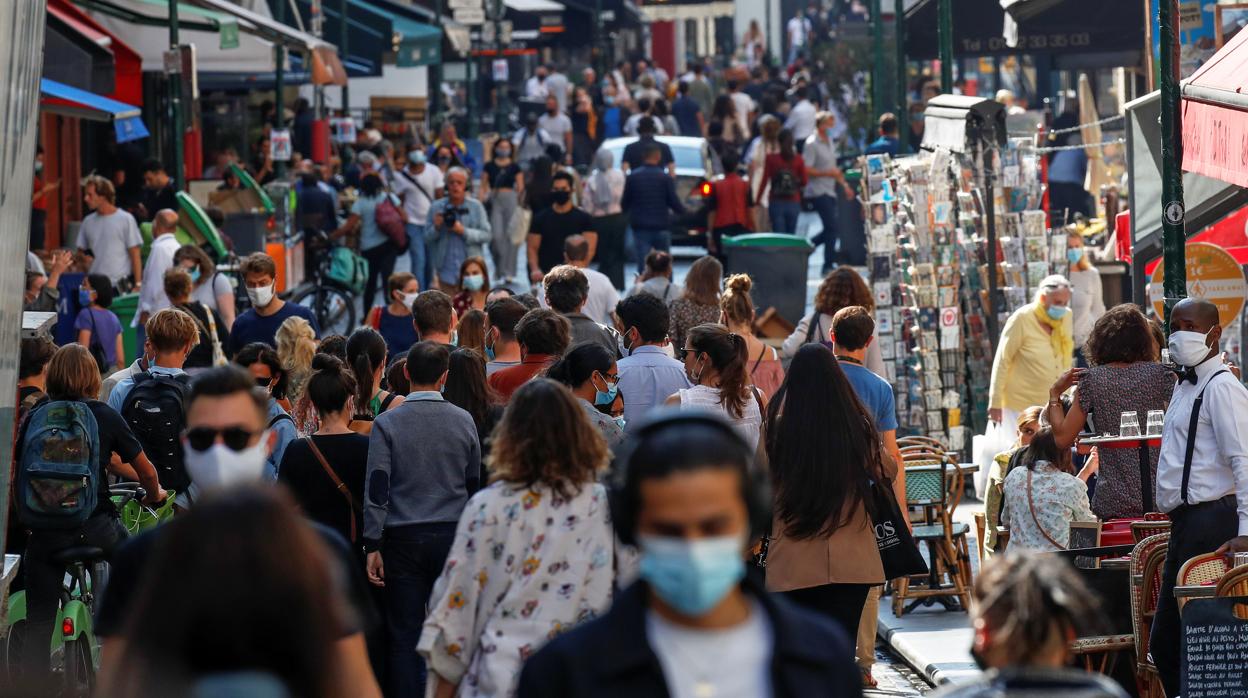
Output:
(898, 552)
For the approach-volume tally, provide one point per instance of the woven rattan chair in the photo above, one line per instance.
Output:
(1147, 560)
(949, 554)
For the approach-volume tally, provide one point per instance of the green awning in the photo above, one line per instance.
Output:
(250, 183)
(414, 43)
(189, 17)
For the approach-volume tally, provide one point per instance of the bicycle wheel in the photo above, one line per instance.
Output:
(79, 668)
(334, 308)
(13, 647)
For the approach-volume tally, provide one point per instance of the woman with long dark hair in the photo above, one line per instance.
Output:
(715, 361)
(589, 371)
(538, 539)
(538, 185)
(724, 113)
(467, 389)
(785, 173)
(824, 452)
(374, 245)
(366, 355)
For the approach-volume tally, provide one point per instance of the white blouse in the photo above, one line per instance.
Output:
(704, 397)
(1087, 302)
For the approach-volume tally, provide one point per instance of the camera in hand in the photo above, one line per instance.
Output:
(451, 214)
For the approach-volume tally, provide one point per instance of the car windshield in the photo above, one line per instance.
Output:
(687, 157)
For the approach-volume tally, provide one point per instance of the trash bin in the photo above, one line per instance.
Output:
(125, 308)
(778, 263)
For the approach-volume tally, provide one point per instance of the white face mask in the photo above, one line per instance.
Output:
(260, 297)
(409, 298)
(220, 467)
(1188, 348)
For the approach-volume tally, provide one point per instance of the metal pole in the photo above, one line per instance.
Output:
(945, 31)
(990, 210)
(342, 53)
(279, 87)
(1173, 235)
(500, 86)
(175, 101)
(878, 81)
(599, 65)
(435, 71)
(318, 30)
(903, 113)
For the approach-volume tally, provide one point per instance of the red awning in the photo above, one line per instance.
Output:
(1215, 115)
(128, 78)
(1230, 233)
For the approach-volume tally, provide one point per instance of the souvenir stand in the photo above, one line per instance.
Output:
(928, 232)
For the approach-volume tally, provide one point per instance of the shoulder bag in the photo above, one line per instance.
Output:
(1031, 505)
(218, 353)
(389, 220)
(341, 486)
(899, 555)
(521, 221)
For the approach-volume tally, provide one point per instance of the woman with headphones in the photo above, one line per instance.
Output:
(684, 490)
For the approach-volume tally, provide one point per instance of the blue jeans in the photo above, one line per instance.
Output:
(413, 557)
(826, 207)
(784, 216)
(416, 254)
(646, 240)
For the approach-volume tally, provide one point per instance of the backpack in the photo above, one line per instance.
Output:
(784, 183)
(155, 409)
(348, 269)
(96, 347)
(58, 475)
(389, 221)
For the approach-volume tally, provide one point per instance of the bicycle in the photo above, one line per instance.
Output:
(75, 651)
(331, 301)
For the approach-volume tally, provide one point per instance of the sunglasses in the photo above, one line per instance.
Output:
(234, 438)
(685, 352)
(263, 382)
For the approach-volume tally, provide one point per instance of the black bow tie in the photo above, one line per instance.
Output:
(1186, 373)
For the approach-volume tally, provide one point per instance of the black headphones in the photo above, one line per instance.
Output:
(623, 487)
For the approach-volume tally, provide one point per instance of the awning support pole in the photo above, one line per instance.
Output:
(878, 81)
(1173, 234)
(903, 113)
(175, 102)
(944, 28)
(279, 87)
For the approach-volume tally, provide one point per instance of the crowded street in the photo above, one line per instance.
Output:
(597, 348)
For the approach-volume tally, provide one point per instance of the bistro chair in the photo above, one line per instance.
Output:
(1147, 559)
(1233, 583)
(930, 489)
(1202, 570)
(1143, 529)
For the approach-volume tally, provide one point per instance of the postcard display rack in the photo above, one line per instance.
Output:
(929, 276)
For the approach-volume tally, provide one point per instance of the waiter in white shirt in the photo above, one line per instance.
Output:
(1202, 472)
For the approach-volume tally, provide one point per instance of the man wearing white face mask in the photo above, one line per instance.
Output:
(226, 444)
(1036, 347)
(267, 312)
(1202, 472)
(695, 625)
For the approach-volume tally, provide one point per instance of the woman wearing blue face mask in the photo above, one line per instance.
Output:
(1087, 303)
(474, 280)
(1035, 348)
(99, 329)
(590, 371)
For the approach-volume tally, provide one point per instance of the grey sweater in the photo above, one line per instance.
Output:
(424, 461)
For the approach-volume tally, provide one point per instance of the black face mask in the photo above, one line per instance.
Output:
(552, 112)
(561, 197)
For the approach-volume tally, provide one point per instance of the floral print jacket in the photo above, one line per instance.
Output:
(526, 565)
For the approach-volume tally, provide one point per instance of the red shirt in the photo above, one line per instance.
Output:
(41, 202)
(508, 380)
(730, 199)
(776, 162)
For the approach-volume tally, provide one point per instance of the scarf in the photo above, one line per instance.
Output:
(1062, 342)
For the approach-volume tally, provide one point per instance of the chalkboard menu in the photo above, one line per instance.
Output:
(1215, 649)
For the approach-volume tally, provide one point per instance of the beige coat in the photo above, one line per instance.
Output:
(848, 556)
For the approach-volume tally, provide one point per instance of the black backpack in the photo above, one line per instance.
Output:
(155, 409)
(784, 183)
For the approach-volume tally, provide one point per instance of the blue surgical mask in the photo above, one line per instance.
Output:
(84, 297)
(194, 275)
(1074, 254)
(1057, 312)
(601, 398)
(619, 421)
(473, 282)
(454, 338)
(692, 576)
(489, 352)
(829, 133)
(608, 100)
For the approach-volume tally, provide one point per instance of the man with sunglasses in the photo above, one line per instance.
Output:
(226, 444)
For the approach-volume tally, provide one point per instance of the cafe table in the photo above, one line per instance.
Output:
(1142, 444)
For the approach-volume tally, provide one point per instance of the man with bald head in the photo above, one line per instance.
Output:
(159, 260)
(1202, 471)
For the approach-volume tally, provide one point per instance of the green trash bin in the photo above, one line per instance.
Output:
(125, 308)
(778, 263)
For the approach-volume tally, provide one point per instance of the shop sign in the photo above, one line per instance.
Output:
(279, 145)
(1212, 274)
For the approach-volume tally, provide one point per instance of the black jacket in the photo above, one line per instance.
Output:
(611, 656)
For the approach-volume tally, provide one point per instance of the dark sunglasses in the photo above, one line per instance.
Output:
(235, 438)
(263, 382)
(685, 352)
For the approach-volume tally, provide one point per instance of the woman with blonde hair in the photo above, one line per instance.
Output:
(841, 288)
(533, 554)
(698, 304)
(296, 345)
(737, 314)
